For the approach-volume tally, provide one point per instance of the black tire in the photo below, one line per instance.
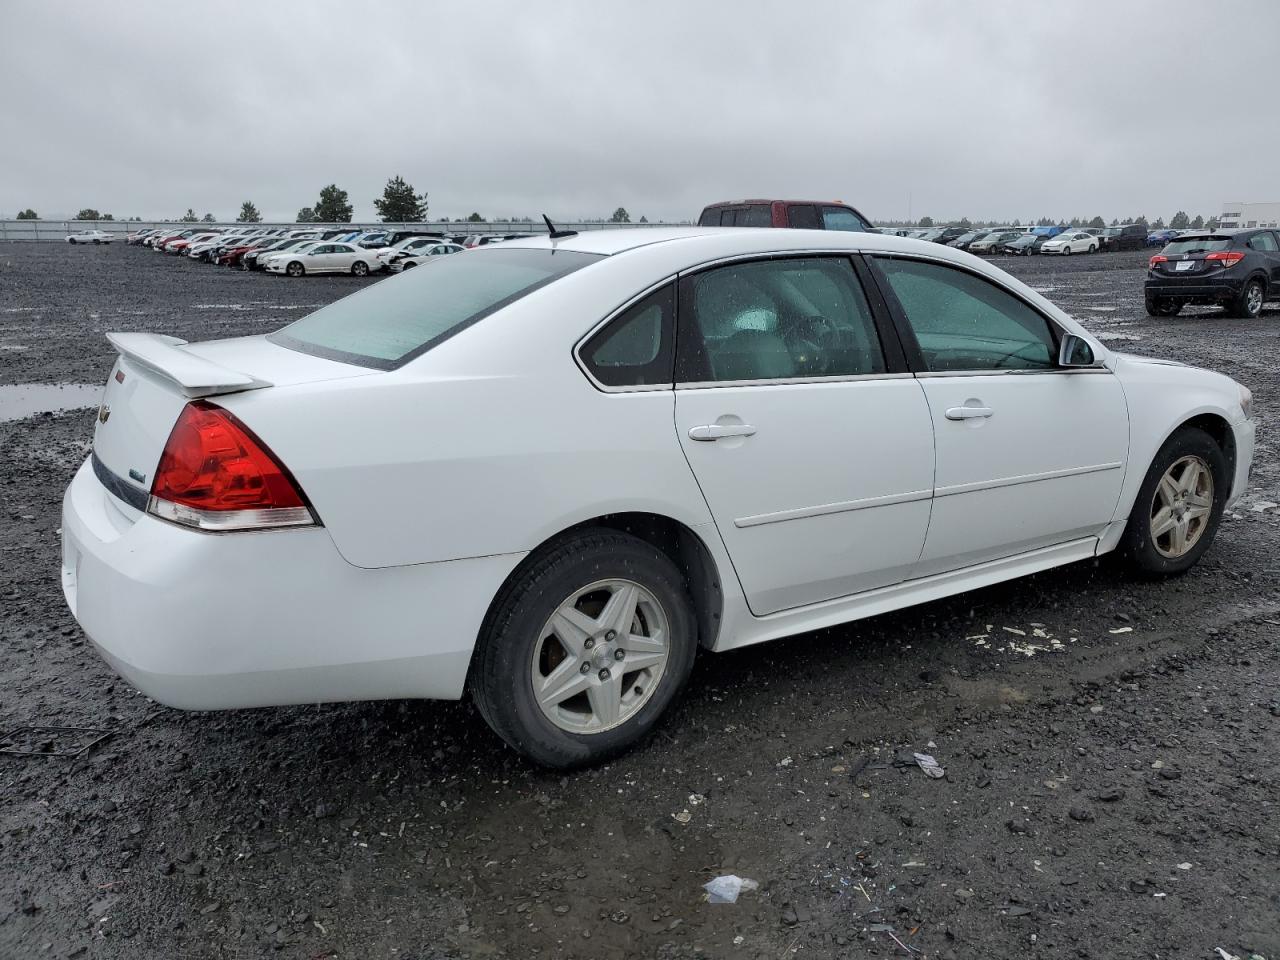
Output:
(1163, 307)
(407, 266)
(295, 269)
(1248, 305)
(360, 269)
(500, 680)
(1092, 249)
(73, 242)
(1137, 544)
(244, 264)
(1066, 251)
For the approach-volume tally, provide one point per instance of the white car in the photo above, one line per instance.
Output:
(505, 475)
(408, 261)
(90, 236)
(1072, 241)
(325, 257)
(405, 245)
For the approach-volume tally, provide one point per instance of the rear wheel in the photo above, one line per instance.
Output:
(1179, 505)
(360, 268)
(407, 265)
(1066, 251)
(585, 649)
(1092, 248)
(1249, 304)
(73, 242)
(295, 269)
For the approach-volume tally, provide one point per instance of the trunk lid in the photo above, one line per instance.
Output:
(155, 376)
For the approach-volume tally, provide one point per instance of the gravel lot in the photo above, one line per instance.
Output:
(1110, 744)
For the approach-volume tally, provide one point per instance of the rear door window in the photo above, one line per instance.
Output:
(388, 324)
(802, 216)
(776, 320)
(757, 215)
(1264, 241)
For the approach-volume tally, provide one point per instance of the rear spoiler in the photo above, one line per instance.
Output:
(165, 357)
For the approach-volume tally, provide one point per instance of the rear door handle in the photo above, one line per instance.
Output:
(969, 413)
(718, 431)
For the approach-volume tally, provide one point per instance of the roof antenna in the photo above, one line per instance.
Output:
(557, 234)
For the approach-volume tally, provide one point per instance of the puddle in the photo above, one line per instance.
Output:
(1108, 335)
(1101, 309)
(29, 399)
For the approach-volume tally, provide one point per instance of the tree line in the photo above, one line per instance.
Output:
(399, 203)
(1179, 221)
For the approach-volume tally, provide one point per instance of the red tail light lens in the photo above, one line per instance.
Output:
(1158, 258)
(1228, 258)
(215, 474)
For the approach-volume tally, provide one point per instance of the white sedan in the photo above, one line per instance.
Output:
(90, 236)
(407, 261)
(323, 257)
(507, 476)
(1073, 241)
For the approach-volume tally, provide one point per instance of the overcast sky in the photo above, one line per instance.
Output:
(991, 110)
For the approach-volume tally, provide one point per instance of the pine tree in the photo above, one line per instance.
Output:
(305, 215)
(1180, 221)
(189, 217)
(249, 213)
(333, 206)
(1097, 222)
(925, 222)
(1197, 223)
(400, 204)
(475, 218)
(88, 213)
(620, 216)
(28, 214)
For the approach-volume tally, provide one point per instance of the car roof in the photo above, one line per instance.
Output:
(735, 203)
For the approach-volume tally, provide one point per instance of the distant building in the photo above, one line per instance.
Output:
(1250, 215)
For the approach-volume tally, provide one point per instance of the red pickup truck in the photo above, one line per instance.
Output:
(797, 214)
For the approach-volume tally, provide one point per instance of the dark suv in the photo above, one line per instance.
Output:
(1130, 236)
(1236, 269)
(797, 214)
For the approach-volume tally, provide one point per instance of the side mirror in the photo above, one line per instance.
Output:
(1075, 352)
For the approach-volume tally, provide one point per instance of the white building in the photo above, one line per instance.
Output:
(1250, 215)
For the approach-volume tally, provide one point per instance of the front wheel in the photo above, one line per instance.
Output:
(360, 269)
(295, 269)
(1092, 249)
(1066, 251)
(1179, 505)
(584, 649)
(73, 242)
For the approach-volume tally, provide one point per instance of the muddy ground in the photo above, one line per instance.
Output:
(1110, 744)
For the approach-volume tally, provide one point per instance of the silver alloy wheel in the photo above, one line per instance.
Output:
(1181, 507)
(1253, 298)
(600, 656)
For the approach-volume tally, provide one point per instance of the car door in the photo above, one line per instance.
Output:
(341, 257)
(1028, 454)
(1267, 248)
(319, 259)
(811, 442)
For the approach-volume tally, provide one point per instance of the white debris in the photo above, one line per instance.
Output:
(930, 766)
(1122, 630)
(726, 889)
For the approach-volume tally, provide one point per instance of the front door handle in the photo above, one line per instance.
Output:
(969, 413)
(717, 431)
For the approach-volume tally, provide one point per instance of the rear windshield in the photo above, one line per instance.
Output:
(393, 321)
(1198, 245)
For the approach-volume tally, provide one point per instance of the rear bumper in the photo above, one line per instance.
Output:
(213, 621)
(1198, 288)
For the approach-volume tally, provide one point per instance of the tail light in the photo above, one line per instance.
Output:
(1228, 258)
(1158, 258)
(216, 475)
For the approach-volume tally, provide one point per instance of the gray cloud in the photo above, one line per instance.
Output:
(1003, 109)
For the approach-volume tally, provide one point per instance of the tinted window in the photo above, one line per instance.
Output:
(963, 322)
(842, 218)
(389, 323)
(804, 217)
(710, 217)
(776, 319)
(635, 349)
(1263, 241)
(757, 215)
(1197, 245)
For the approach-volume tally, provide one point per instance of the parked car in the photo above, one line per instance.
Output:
(404, 245)
(419, 539)
(988, 242)
(962, 242)
(1235, 269)
(947, 234)
(1158, 238)
(137, 238)
(1129, 236)
(256, 259)
(412, 258)
(1071, 241)
(796, 214)
(325, 257)
(90, 236)
(234, 256)
(1023, 246)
